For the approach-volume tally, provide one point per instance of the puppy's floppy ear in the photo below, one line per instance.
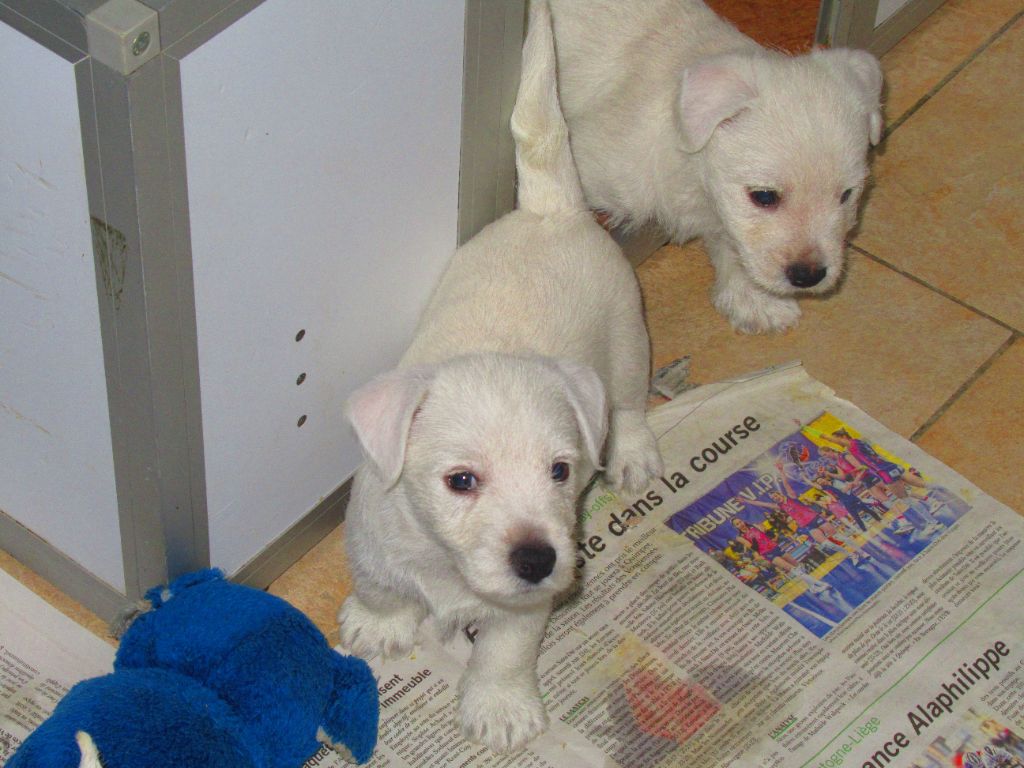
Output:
(711, 92)
(864, 73)
(381, 413)
(587, 397)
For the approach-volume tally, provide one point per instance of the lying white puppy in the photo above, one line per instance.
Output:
(481, 441)
(677, 117)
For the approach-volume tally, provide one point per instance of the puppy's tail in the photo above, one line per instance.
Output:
(548, 180)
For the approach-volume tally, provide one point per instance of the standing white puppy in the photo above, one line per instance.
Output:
(677, 117)
(480, 442)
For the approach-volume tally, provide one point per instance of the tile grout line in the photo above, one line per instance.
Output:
(1014, 335)
(952, 74)
(962, 389)
(925, 284)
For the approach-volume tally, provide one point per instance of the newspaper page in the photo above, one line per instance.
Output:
(802, 588)
(42, 654)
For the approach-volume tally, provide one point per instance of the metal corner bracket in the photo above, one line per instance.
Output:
(123, 34)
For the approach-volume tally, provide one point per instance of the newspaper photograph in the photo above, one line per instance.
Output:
(981, 740)
(807, 507)
(801, 588)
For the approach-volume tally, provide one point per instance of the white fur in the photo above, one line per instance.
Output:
(87, 748)
(674, 116)
(531, 345)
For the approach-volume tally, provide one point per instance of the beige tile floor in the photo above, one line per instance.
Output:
(925, 333)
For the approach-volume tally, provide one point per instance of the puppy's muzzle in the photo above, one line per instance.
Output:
(805, 275)
(533, 562)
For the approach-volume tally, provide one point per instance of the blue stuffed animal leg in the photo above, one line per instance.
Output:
(351, 717)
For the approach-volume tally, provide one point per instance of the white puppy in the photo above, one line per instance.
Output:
(677, 117)
(481, 441)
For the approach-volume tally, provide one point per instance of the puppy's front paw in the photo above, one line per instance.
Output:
(366, 633)
(633, 456)
(757, 312)
(502, 717)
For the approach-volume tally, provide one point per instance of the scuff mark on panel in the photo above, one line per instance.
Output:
(22, 417)
(111, 249)
(36, 177)
(35, 294)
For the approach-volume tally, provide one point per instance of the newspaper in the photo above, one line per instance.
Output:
(42, 654)
(802, 588)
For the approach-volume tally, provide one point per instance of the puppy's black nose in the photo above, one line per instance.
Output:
(803, 275)
(533, 563)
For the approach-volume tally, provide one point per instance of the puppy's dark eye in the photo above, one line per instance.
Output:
(462, 481)
(764, 198)
(559, 471)
(845, 196)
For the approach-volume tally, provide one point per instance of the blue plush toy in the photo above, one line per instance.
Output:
(216, 675)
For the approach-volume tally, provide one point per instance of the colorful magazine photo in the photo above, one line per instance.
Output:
(820, 522)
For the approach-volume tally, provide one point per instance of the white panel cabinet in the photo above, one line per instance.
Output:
(322, 146)
(218, 219)
(874, 25)
(56, 460)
